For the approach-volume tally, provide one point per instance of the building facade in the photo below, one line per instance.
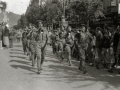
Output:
(111, 8)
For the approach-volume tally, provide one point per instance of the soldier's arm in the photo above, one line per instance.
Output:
(47, 36)
(29, 33)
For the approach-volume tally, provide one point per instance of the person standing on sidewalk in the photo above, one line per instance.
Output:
(24, 40)
(1, 32)
(6, 36)
(11, 37)
(41, 42)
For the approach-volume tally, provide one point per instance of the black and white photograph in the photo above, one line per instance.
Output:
(59, 44)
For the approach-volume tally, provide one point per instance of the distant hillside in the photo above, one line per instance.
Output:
(13, 18)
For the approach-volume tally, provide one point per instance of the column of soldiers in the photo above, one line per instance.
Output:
(34, 44)
(94, 46)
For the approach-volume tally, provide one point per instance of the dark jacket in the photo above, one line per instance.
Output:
(6, 32)
(116, 39)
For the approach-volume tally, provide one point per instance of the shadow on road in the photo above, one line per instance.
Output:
(59, 72)
(17, 53)
(23, 67)
(21, 57)
(16, 50)
(18, 46)
(21, 62)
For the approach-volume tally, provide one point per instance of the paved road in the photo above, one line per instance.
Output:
(16, 73)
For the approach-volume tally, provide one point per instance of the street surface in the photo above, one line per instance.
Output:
(16, 73)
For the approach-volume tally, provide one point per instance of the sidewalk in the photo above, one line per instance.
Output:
(18, 74)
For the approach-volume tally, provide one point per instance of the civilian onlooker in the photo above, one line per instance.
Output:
(6, 34)
(11, 37)
(115, 42)
(1, 29)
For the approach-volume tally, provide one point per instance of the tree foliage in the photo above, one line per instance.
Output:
(88, 10)
(80, 10)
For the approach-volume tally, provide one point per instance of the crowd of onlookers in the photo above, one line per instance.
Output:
(8, 35)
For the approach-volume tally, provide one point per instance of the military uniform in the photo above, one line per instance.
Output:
(11, 37)
(40, 48)
(62, 43)
(54, 38)
(82, 47)
(24, 41)
(69, 44)
(28, 41)
(32, 44)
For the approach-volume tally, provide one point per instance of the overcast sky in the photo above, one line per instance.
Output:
(17, 6)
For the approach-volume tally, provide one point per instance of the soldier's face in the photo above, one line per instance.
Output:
(83, 29)
(40, 24)
(63, 28)
(69, 28)
(55, 32)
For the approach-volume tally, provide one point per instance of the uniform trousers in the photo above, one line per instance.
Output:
(11, 43)
(82, 57)
(32, 54)
(24, 42)
(40, 53)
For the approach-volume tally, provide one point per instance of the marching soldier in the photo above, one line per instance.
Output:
(41, 42)
(24, 40)
(62, 43)
(29, 30)
(32, 45)
(82, 46)
(53, 38)
(69, 44)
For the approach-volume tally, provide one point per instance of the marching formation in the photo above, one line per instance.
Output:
(34, 44)
(95, 47)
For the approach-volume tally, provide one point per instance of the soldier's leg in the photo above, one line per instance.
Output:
(33, 58)
(28, 47)
(53, 48)
(24, 46)
(38, 54)
(57, 49)
(110, 68)
(43, 54)
(82, 60)
(68, 50)
(99, 59)
(61, 51)
(11, 43)
(115, 49)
